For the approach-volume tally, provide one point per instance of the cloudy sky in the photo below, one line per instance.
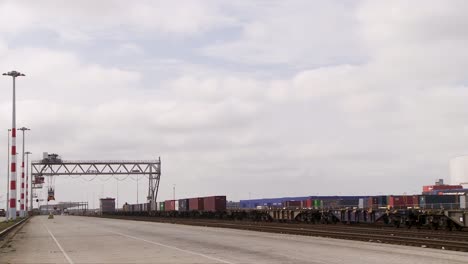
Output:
(243, 98)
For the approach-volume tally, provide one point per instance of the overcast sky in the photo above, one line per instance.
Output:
(242, 98)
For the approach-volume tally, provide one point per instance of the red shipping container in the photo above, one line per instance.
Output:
(430, 188)
(214, 203)
(307, 203)
(399, 201)
(169, 205)
(196, 204)
(292, 204)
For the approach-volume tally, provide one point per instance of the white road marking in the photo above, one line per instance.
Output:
(58, 244)
(172, 247)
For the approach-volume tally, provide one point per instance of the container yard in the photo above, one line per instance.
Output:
(443, 211)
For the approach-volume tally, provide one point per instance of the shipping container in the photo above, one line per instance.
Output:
(309, 203)
(463, 202)
(196, 204)
(349, 202)
(403, 201)
(295, 204)
(169, 205)
(378, 201)
(430, 188)
(107, 205)
(318, 204)
(162, 206)
(439, 201)
(330, 203)
(232, 205)
(183, 205)
(214, 203)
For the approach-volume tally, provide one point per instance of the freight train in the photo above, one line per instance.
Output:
(430, 211)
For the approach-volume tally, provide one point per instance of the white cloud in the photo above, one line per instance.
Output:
(299, 33)
(87, 20)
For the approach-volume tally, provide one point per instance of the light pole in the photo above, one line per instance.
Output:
(8, 175)
(12, 210)
(30, 207)
(22, 207)
(173, 192)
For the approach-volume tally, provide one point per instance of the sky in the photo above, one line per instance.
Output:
(247, 99)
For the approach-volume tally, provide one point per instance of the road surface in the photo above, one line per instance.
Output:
(73, 239)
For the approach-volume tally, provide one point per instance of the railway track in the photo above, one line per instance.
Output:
(5, 232)
(457, 241)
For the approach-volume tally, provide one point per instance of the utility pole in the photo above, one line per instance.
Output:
(137, 189)
(30, 207)
(12, 212)
(173, 192)
(22, 206)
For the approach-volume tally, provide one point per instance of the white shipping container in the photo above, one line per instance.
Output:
(177, 205)
(463, 202)
(361, 203)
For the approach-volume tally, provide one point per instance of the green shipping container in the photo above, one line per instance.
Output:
(317, 203)
(161, 206)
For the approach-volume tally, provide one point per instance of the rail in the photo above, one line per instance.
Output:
(440, 240)
(7, 230)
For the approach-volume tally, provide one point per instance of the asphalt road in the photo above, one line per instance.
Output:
(72, 239)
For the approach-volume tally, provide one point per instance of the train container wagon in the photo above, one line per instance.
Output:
(214, 203)
(184, 205)
(196, 204)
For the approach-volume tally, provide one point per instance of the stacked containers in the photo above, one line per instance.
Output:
(330, 203)
(183, 205)
(214, 203)
(196, 204)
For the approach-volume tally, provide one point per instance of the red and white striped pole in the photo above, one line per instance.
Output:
(12, 212)
(27, 183)
(22, 207)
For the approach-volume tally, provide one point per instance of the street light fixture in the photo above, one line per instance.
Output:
(12, 209)
(22, 205)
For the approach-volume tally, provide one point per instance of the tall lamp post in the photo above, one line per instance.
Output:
(22, 207)
(12, 209)
(8, 175)
(30, 207)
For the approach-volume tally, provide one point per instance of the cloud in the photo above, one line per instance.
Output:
(88, 20)
(300, 34)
